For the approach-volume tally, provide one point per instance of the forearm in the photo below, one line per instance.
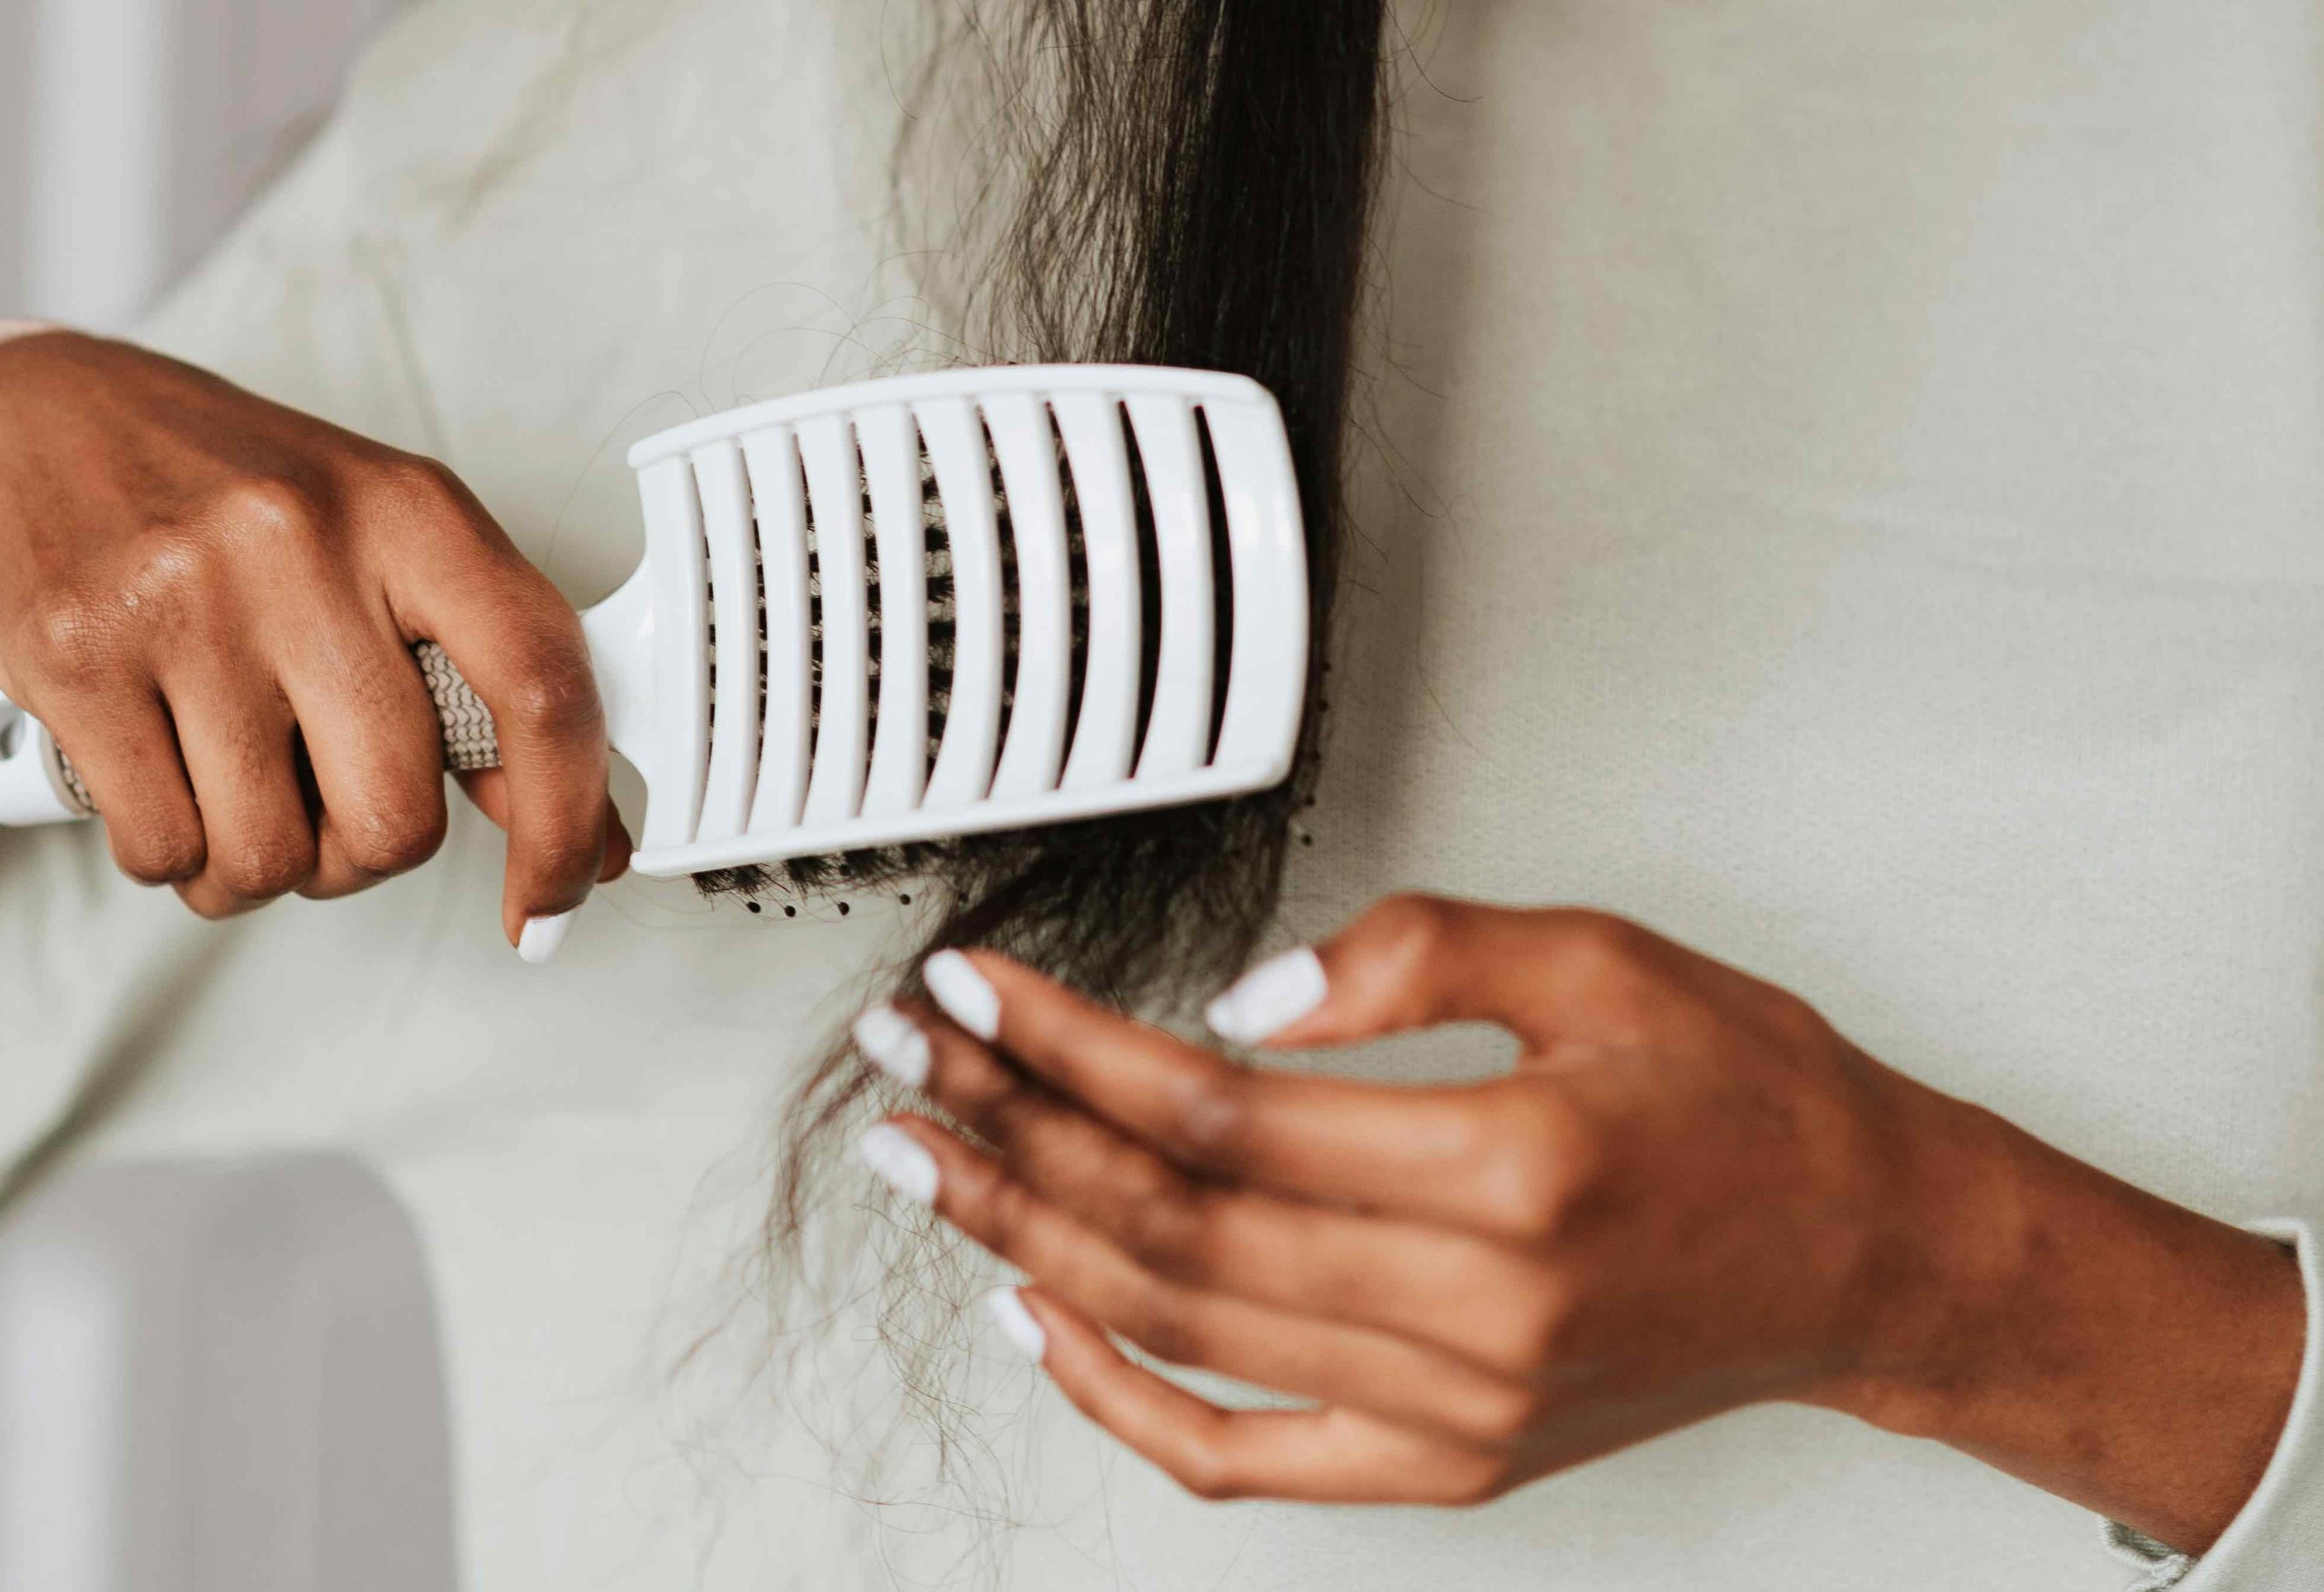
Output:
(2099, 1342)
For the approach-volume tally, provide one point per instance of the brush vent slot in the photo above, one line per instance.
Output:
(959, 611)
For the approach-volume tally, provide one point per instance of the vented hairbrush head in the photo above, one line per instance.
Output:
(917, 608)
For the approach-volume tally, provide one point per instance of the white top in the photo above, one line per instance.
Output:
(1846, 491)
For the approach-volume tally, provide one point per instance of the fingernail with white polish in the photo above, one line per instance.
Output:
(1268, 999)
(895, 1044)
(964, 993)
(900, 1162)
(543, 935)
(1017, 1323)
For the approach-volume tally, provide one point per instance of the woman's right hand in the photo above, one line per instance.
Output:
(209, 600)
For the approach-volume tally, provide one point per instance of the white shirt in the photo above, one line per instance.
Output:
(1839, 484)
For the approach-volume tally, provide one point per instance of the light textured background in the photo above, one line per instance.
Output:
(132, 131)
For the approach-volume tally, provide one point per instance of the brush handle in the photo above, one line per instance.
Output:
(38, 784)
(469, 740)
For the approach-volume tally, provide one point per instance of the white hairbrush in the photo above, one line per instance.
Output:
(773, 714)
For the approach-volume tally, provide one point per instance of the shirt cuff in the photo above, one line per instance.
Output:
(2276, 1544)
(2161, 1568)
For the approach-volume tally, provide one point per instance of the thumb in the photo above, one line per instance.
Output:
(1410, 961)
(488, 790)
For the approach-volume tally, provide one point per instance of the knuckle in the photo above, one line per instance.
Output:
(1794, 1020)
(417, 480)
(1534, 1199)
(1004, 1210)
(1501, 1415)
(1007, 1114)
(1540, 1162)
(1601, 941)
(1478, 1482)
(426, 501)
(1211, 1486)
(1160, 1322)
(1535, 1332)
(555, 700)
(71, 641)
(164, 854)
(1203, 1468)
(1405, 957)
(1169, 1227)
(1412, 929)
(262, 868)
(209, 905)
(391, 839)
(272, 508)
(1213, 1114)
(565, 855)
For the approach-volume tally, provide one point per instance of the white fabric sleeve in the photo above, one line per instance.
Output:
(19, 328)
(2276, 1544)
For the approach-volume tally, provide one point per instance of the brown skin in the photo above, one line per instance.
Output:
(210, 600)
(1690, 1195)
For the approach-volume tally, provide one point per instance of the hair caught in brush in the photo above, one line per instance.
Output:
(1179, 182)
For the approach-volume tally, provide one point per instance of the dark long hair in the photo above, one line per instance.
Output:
(1183, 183)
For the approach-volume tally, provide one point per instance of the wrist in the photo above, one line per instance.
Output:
(1950, 1242)
(2117, 1349)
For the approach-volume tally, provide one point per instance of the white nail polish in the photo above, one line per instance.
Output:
(900, 1162)
(966, 999)
(543, 935)
(1017, 1323)
(895, 1044)
(1268, 999)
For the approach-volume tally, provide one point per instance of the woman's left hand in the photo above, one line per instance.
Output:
(1690, 1194)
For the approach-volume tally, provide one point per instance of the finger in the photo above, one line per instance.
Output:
(1437, 1286)
(240, 751)
(125, 750)
(1467, 1156)
(376, 751)
(1317, 1455)
(1415, 961)
(618, 845)
(1389, 1376)
(489, 792)
(518, 644)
